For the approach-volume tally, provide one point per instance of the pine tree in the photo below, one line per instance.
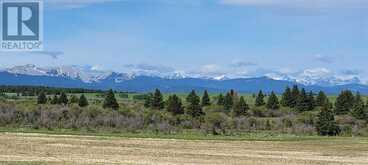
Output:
(148, 100)
(344, 102)
(311, 101)
(174, 105)
(221, 100)
(357, 99)
(74, 99)
(194, 109)
(82, 101)
(260, 99)
(42, 99)
(303, 103)
(321, 99)
(232, 93)
(229, 102)
(326, 124)
(110, 101)
(287, 98)
(63, 99)
(359, 109)
(294, 95)
(241, 108)
(273, 101)
(55, 100)
(158, 100)
(206, 101)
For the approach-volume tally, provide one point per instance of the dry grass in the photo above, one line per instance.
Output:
(18, 148)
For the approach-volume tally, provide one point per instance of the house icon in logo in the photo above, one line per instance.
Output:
(21, 25)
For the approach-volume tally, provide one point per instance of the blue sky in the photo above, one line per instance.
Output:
(215, 37)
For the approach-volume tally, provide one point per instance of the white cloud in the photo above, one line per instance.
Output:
(52, 54)
(217, 71)
(351, 72)
(301, 3)
(324, 59)
(242, 64)
(316, 76)
(316, 72)
(148, 67)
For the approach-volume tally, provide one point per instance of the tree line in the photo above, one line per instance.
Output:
(82, 101)
(298, 100)
(36, 90)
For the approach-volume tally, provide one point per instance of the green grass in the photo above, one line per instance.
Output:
(185, 135)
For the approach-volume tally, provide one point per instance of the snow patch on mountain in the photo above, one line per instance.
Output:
(86, 74)
(317, 76)
(91, 74)
(29, 69)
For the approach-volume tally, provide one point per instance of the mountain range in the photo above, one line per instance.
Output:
(92, 78)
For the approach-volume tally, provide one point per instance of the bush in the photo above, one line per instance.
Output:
(307, 118)
(216, 123)
(346, 130)
(259, 112)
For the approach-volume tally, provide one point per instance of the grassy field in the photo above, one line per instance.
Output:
(95, 96)
(35, 144)
(35, 148)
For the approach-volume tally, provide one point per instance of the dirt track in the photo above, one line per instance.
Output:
(18, 148)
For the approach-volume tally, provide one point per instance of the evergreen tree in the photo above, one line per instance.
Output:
(194, 109)
(241, 108)
(287, 98)
(74, 99)
(148, 100)
(82, 101)
(358, 99)
(206, 101)
(303, 103)
(55, 100)
(326, 124)
(294, 95)
(344, 102)
(158, 100)
(42, 99)
(260, 99)
(229, 102)
(311, 101)
(273, 101)
(221, 100)
(110, 101)
(359, 109)
(321, 99)
(232, 93)
(174, 105)
(63, 99)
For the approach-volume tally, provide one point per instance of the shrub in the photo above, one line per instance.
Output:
(216, 123)
(258, 112)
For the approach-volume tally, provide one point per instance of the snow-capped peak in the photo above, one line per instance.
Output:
(90, 74)
(86, 74)
(29, 69)
(222, 77)
(317, 76)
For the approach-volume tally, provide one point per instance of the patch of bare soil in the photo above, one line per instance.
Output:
(54, 149)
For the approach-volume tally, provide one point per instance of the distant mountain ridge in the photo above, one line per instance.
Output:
(86, 77)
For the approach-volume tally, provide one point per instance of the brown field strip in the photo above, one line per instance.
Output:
(18, 148)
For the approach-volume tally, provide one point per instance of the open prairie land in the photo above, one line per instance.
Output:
(19, 148)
